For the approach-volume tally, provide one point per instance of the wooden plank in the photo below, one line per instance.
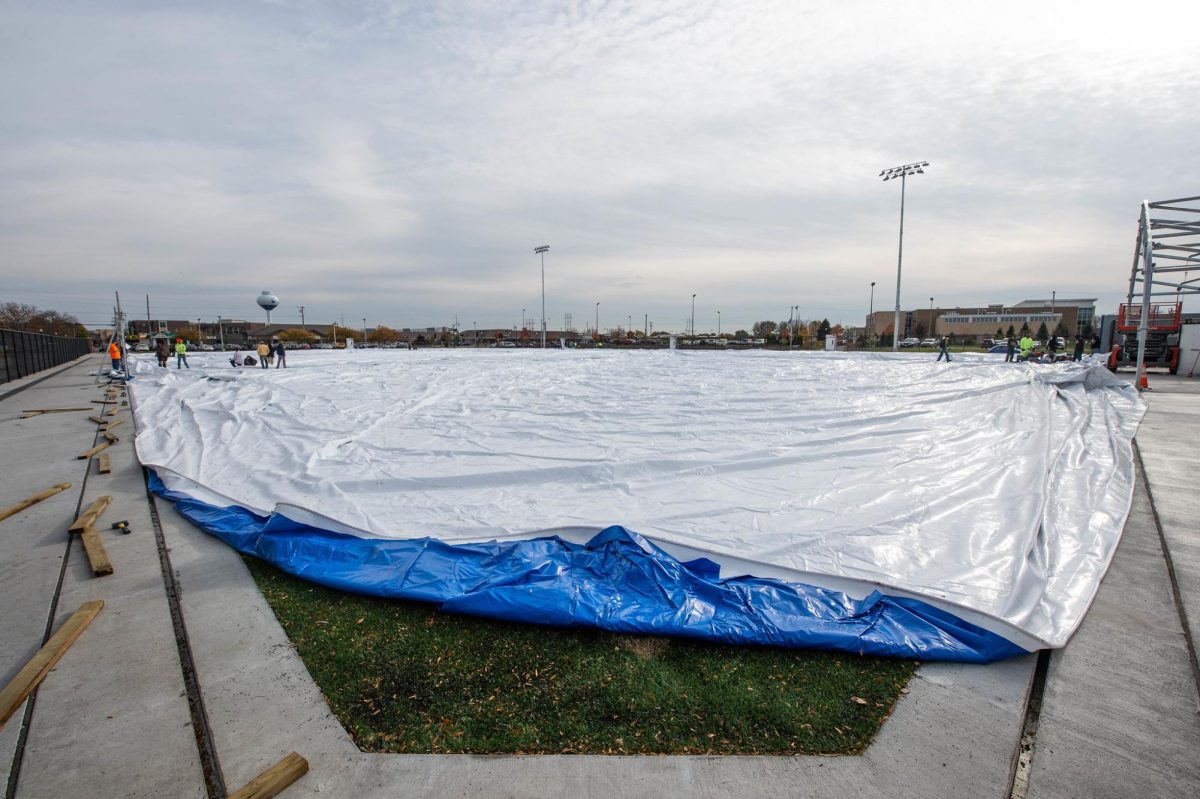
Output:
(90, 515)
(55, 410)
(31, 414)
(274, 779)
(35, 499)
(110, 438)
(102, 461)
(87, 453)
(102, 402)
(33, 672)
(113, 412)
(96, 419)
(96, 554)
(113, 423)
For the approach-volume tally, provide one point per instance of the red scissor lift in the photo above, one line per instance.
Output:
(1162, 335)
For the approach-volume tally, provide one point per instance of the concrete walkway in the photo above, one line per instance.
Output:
(194, 697)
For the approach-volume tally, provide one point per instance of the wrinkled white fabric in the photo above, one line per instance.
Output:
(998, 491)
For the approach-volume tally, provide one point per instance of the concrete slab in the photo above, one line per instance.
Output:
(1120, 709)
(38, 453)
(110, 718)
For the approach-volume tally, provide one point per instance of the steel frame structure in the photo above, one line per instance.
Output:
(1168, 243)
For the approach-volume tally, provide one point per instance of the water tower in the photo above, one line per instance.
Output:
(268, 302)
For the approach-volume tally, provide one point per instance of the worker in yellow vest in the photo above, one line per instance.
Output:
(1026, 345)
(180, 354)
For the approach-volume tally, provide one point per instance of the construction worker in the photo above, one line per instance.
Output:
(264, 353)
(114, 352)
(180, 354)
(1026, 345)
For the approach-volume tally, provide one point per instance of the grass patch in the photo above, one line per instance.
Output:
(403, 677)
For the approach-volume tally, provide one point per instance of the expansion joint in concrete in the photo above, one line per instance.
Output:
(1023, 761)
(1176, 595)
(214, 780)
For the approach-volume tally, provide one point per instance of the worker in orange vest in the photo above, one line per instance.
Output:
(114, 352)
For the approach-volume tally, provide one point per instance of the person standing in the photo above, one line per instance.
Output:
(1026, 345)
(181, 354)
(1012, 350)
(280, 355)
(944, 348)
(263, 353)
(114, 352)
(1078, 349)
(1052, 345)
(162, 349)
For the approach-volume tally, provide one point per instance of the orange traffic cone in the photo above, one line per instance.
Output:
(1142, 385)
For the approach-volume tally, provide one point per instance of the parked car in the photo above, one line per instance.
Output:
(1000, 348)
(910, 342)
(929, 342)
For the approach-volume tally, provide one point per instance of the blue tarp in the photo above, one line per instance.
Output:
(617, 581)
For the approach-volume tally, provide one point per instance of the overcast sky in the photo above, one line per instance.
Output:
(399, 161)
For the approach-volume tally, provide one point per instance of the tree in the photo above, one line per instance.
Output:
(383, 335)
(918, 330)
(1000, 333)
(297, 335)
(764, 329)
(823, 329)
(1011, 331)
(1024, 328)
(1042, 333)
(741, 335)
(186, 333)
(1060, 329)
(29, 319)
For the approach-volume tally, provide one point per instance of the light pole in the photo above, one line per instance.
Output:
(791, 325)
(221, 332)
(871, 314)
(522, 319)
(932, 321)
(364, 331)
(718, 324)
(629, 332)
(301, 316)
(693, 334)
(542, 252)
(597, 320)
(901, 172)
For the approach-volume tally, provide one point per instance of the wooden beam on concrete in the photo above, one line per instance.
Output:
(113, 412)
(55, 410)
(33, 672)
(102, 462)
(90, 515)
(96, 554)
(274, 779)
(96, 419)
(113, 423)
(110, 437)
(12, 510)
(87, 453)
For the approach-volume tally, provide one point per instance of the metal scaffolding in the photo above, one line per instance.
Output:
(1168, 248)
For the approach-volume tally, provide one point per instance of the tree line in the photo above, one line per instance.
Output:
(30, 319)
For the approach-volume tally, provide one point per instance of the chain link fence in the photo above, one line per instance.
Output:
(28, 353)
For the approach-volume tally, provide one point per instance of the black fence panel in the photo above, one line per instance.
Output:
(28, 353)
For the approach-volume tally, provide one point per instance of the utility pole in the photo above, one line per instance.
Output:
(541, 250)
(301, 316)
(221, 332)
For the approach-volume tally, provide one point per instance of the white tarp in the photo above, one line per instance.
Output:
(995, 490)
